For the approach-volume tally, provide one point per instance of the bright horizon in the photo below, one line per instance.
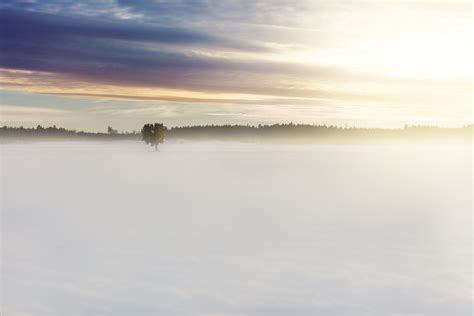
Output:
(124, 63)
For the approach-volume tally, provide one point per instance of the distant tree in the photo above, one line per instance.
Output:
(153, 134)
(110, 130)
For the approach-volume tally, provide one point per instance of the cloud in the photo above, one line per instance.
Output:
(127, 54)
(143, 54)
(26, 25)
(147, 98)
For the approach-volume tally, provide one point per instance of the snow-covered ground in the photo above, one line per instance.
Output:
(93, 228)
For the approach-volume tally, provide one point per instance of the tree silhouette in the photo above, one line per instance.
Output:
(153, 134)
(111, 130)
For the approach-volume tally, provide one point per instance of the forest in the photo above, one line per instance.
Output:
(278, 133)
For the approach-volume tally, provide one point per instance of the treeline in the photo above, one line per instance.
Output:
(41, 133)
(305, 133)
(286, 133)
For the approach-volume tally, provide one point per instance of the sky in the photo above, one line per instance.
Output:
(377, 63)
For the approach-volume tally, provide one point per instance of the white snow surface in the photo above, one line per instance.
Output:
(115, 228)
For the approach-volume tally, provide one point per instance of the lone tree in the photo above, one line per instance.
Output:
(153, 134)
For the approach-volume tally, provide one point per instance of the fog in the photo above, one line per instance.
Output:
(115, 228)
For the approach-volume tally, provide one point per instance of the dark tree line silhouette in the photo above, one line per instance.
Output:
(59, 133)
(305, 133)
(294, 133)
